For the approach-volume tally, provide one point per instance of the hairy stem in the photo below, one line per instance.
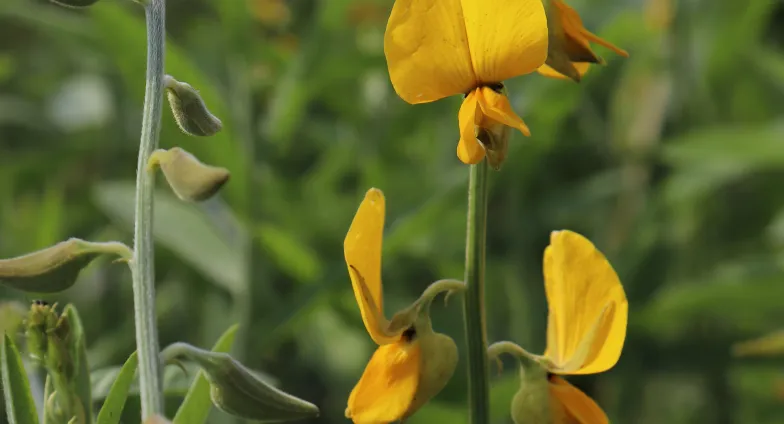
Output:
(473, 305)
(143, 264)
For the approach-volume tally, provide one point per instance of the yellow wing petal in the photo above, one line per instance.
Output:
(573, 27)
(469, 149)
(579, 408)
(581, 67)
(388, 385)
(497, 107)
(362, 249)
(588, 309)
(506, 38)
(427, 51)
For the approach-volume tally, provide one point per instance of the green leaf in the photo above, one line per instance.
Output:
(79, 352)
(196, 406)
(291, 255)
(183, 229)
(115, 401)
(16, 388)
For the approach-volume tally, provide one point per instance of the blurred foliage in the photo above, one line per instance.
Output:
(671, 161)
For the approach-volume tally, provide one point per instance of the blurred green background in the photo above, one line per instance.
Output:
(671, 161)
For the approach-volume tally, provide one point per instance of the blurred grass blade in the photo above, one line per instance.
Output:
(196, 406)
(768, 345)
(79, 351)
(19, 403)
(115, 402)
(183, 229)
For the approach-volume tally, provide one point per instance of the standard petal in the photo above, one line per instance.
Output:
(573, 27)
(388, 385)
(496, 107)
(587, 306)
(469, 149)
(578, 406)
(506, 38)
(427, 50)
(582, 69)
(362, 249)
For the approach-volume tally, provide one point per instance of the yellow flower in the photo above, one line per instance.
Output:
(569, 52)
(440, 48)
(586, 329)
(412, 363)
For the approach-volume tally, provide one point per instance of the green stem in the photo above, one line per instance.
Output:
(143, 264)
(474, 311)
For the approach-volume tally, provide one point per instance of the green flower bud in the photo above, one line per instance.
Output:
(238, 391)
(55, 268)
(190, 179)
(75, 4)
(190, 112)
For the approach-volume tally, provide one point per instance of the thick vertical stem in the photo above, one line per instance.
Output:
(474, 311)
(143, 264)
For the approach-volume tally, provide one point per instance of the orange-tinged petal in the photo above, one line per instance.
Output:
(496, 106)
(362, 249)
(573, 26)
(469, 149)
(579, 407)
(582, 69)
(427, 50)
(388, 385)
(506, 38)
(588, 309)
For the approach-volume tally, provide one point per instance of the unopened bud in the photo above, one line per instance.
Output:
(190, 179)
(76, 4)
(189, 110)
(55, 268)
(238, 391)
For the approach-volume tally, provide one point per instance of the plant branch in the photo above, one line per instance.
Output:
(143, 264)
(474, 312)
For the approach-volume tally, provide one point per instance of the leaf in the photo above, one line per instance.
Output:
(196, 406)
(183, 229)
(291, 255)
(115, 400)
(16, 388)
(79, 352)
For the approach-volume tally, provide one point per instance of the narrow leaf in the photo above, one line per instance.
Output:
(19, 403)
(196, 406)
(115, 401)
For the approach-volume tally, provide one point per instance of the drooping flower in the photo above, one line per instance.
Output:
(569, 52)
(412, 363)
(440, 48)
(586, 329)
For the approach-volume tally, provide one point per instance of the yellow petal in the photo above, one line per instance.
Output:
(573, 27)
(427, 50)
(582, 69)
(362, 249)
(506, 38)
(388, 385)
(588, 310)
(496, 106)
(579, 408)
(469, 149)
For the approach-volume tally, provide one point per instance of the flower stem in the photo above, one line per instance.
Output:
(143, 264)
(473, 309)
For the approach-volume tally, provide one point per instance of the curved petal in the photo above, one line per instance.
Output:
(427, 50)
(388, 385)
(581, 67)
(573, 27)
(506, 38)
(496, 107)
(588, 309)
(362, 250)
(579, 407)
(469, 149)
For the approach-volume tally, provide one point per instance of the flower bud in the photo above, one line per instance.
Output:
(55, 268)
(75, 4)
(190, 179)
(190, 112)
(238, 391)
